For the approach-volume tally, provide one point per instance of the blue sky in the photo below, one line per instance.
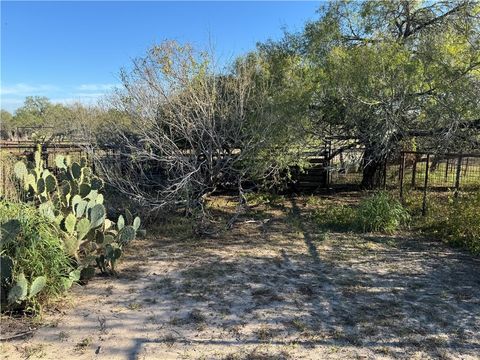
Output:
(73, 51)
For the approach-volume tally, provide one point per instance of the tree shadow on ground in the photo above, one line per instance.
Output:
(389, 294)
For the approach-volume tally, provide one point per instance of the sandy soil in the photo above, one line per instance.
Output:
(274, 287)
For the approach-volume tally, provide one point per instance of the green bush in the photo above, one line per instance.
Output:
(455, 221)
(381, 212)
(34, 263)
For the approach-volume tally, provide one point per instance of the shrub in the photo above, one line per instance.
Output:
(381, 212)
(34, 264)
(455, 221)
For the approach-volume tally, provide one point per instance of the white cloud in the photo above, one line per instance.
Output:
(95, 87)
(26, 89)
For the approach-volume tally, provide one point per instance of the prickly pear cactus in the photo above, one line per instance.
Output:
(72, 199)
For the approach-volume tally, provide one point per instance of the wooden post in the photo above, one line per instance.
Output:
(402, 169)
(329, 163)
(446, 170)
(457, 177)
(414, 172)
(93, 161)
(424, 203)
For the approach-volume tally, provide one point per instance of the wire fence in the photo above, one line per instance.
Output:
(430, 173)
(409, 171)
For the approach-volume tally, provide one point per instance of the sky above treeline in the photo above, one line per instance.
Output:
(73, 51)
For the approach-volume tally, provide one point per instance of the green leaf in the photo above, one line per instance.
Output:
(37, 285)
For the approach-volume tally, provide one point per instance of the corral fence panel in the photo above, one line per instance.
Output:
(427, 172)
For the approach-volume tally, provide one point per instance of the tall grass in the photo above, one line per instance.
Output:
(37, 250)
(381, 212)
(9, 187)
(454, 221)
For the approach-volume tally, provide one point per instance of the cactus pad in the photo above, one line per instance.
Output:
(6, 264)
(19, 291)
(97, 216)
(70, 222)
(83, 226)
(37, 285)
(126, 235)
(76, 170)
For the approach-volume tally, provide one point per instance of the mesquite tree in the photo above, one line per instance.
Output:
(191, 128)
(389, 73)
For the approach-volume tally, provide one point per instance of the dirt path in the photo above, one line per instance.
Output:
(272, 288)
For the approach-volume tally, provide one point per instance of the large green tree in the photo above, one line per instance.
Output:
(388, 72)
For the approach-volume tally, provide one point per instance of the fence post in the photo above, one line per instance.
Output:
(414, 171)
(457, 177)
(402, 169)
(424, 203)
(93, 161)
(446, 170)
(329, 163)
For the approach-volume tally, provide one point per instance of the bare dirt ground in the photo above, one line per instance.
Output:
(274, 287)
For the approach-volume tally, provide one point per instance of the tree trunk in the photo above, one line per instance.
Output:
(373, 175)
